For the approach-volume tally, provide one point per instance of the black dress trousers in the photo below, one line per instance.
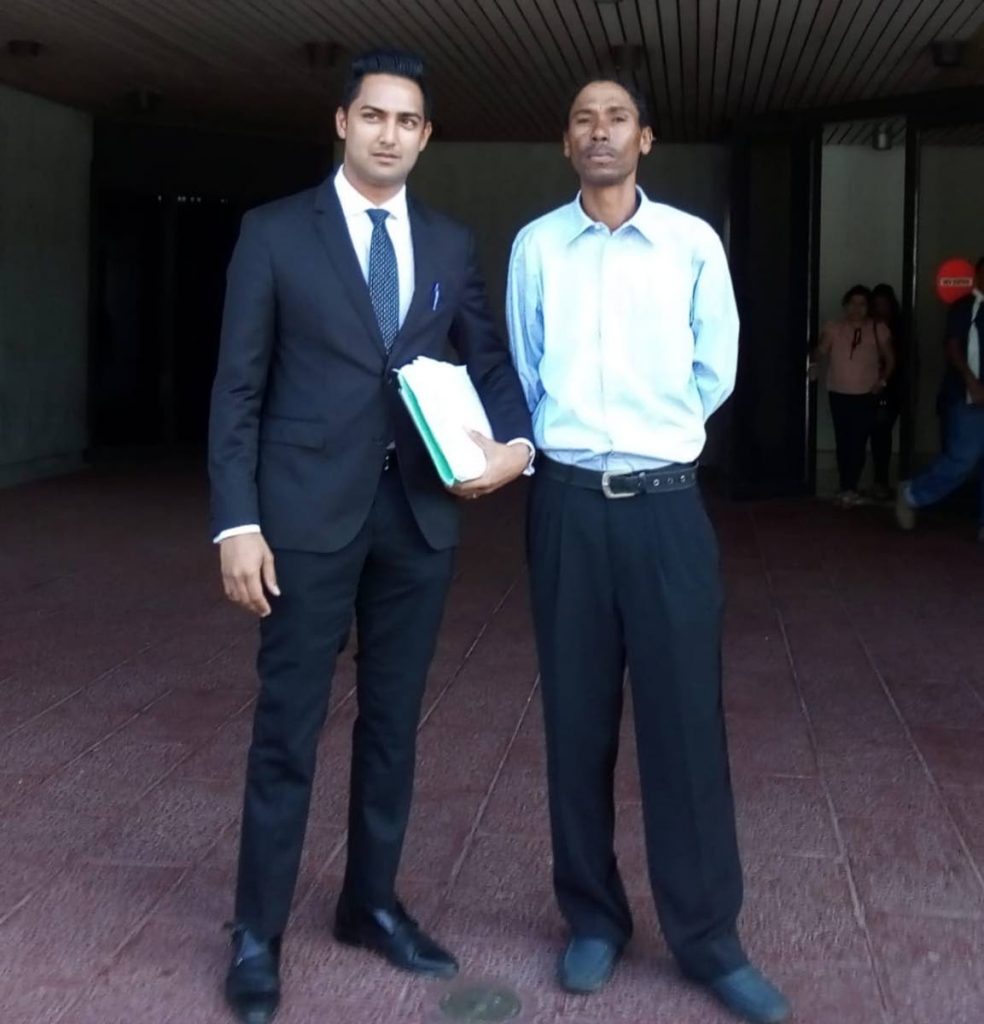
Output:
(634, 583)
(396, 586)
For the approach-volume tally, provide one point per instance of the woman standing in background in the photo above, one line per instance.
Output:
(859, 363)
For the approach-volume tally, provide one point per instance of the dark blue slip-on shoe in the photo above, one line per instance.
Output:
(587, 964)
(747, 993)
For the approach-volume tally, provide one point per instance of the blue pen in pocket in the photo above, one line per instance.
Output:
(435, 296)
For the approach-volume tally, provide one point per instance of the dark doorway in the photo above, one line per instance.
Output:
(774, 249)
(157, 296)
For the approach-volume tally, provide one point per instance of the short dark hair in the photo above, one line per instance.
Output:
(858, 289)
(635, 94)
(400, 63)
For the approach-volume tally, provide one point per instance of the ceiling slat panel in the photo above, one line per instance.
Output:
(872, 59)
(659, 33)
(708, 44)
(965, 19)
(653, 75)
(448, 41)
(784, 18)
(803, 38)
(932, 21)
(862, 45)
(501, 69)
(573, 44)
(746, 26)
(724, 56)
(689, 25)
(833, 54)
(535, 44)
(523, 73)
(818, 35)
(756, 40)
(463, 80)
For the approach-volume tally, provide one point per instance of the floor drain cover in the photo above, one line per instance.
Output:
(481, 1004)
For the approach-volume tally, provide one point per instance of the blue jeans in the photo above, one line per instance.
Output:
(964, 452)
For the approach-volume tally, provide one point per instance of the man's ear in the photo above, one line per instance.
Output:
(646, 141)
(341, 122)
(567, 146)
(425, 135)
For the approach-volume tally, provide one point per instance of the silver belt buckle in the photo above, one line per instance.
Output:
(606, 486)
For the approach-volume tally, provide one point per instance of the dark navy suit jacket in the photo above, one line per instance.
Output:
(304, 403)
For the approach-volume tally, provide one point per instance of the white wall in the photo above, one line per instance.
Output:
(45, 153)
(951, 223)
(861, 227)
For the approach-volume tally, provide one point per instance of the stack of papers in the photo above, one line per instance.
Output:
(444, 406)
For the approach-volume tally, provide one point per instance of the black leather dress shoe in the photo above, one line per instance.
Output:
(587, 964)
(252, 986)
(396, 937)
(748, 994)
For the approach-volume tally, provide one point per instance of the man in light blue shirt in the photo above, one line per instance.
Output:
(625, 334)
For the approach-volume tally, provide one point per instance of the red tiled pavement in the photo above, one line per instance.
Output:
(854, 693)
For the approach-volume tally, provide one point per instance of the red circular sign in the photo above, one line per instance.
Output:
(954, 280)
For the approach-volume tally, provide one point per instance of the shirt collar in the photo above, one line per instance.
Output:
(978, 295)
(354, 203)
(643, 220)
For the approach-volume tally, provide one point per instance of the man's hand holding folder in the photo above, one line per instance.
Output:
(448, 414)
(505, 462)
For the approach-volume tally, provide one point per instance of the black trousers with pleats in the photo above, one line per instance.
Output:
(634, 584)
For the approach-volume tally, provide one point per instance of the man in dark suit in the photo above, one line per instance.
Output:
(325, 504)
(962, 403)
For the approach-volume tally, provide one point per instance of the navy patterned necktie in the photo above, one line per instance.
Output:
(384, 278)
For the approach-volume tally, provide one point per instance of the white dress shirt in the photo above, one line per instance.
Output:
(355, 210)
(625, 341)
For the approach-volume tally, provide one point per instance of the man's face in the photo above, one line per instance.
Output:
(604, 139)
(384, 129)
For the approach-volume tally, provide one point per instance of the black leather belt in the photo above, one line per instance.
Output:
(623, 485)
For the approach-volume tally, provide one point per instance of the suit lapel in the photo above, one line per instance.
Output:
(333, 231)
(424, 269)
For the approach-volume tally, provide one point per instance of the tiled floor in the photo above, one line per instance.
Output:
(855, 695)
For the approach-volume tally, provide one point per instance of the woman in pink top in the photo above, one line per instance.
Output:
(859, 362)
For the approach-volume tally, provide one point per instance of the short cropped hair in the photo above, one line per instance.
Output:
(400, 63)
(635, 94)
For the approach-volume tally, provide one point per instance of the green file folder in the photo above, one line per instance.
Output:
(438, 457)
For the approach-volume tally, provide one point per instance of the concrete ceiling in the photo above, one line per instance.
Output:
(501, 69)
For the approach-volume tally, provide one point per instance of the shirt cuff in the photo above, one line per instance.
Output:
(236, 531)
(529, 444)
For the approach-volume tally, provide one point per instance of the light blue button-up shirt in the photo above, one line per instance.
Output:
(625, 342)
